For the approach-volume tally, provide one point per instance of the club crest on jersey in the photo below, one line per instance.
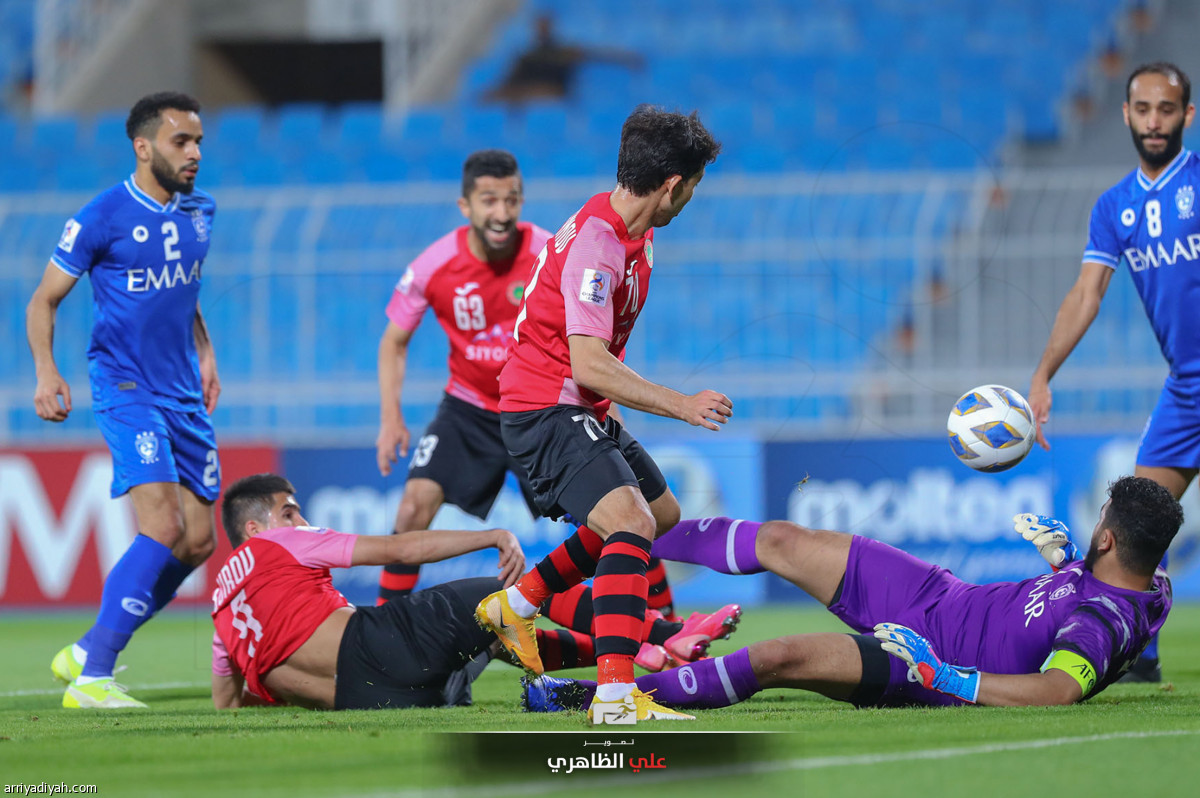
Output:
(649, 255)
(1062, 592)
(69, 233)
(200, 225)
(1185, 201)
(595, 287)
(146, 444)
(515, 292)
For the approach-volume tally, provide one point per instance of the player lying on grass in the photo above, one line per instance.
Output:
(925, 636)
(284, 634)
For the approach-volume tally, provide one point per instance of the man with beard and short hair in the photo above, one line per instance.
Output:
(473, 279)
(153, 376)
(1150, 221)
(924, 636)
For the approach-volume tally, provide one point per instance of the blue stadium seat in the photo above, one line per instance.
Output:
(236, 127)
(301, 126)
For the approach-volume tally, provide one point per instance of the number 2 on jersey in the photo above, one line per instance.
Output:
(170, 239)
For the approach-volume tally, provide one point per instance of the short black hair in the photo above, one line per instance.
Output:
(1144, 517)
(487, 163)
(656, 143)
(249, 499)
(146, 114)
(1167, 70)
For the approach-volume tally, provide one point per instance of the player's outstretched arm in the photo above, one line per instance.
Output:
(39, 329)
(433, 545)
(595, 368)
(393, 362)
(210, 383)
(1075, 315)
(1050, 688)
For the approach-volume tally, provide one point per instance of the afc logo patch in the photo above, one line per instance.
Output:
(70, 232)
(146, 444)
(595, 286)
(1185, 201)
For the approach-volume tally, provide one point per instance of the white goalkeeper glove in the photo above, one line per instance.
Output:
(1051, 537)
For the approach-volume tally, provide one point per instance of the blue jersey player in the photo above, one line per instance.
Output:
(1151, 222)
(153, 376)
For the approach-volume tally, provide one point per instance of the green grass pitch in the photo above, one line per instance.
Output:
(1141, 739)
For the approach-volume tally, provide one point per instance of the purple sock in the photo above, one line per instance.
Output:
(707, 684)
(723, 544)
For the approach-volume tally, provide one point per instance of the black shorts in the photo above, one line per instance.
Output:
(400, 654)
(573, 460)
(462, 451)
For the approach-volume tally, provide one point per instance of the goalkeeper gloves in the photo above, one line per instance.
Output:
(1051, 537)
(924, 665)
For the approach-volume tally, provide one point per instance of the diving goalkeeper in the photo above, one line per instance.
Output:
(925, 636)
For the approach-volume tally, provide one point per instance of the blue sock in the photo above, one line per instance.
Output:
(169, 580)
(127, 601)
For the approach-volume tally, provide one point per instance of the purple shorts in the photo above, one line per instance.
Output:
(886, 585)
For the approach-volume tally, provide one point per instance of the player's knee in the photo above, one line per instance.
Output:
(666, 517)
(778, 539)
(643, 525)
(195, 552)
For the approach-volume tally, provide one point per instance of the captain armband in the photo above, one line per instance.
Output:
(1076, 666)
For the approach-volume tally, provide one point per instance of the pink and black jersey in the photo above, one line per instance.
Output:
(592, 279)
(476, 303)
(272, 594)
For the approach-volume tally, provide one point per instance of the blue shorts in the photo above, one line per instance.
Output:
(156, 444)
(1172, 434)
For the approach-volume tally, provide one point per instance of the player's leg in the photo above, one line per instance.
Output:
(834, 665)
(1148, 667)
(1169, 454)
(420, 502)
(812, 559)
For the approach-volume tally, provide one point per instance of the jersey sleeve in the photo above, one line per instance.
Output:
(1103, 245)
(1096, 634)
(83, 242)
(590, 274)
(221, 664)
(315, 547)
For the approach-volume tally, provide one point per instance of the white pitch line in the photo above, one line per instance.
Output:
(551, 783)
(59, 690)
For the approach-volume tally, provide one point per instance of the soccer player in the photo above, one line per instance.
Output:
(153, 376)
(283, 631)
(1052, 639)
(565, 368)
(1151, 221)
(473, 279)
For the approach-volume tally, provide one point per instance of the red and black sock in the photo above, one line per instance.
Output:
(568, 565)
(619, 602)
(572, 609)
(397, 581)
(659, 631)
(659, 596)
(562, 648)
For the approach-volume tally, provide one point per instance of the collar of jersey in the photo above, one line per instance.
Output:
(1172, 169)
(150, 202)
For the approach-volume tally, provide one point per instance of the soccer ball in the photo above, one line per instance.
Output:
(991, 428)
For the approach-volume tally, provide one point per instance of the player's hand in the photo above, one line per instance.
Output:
(1040, 400)
(210, 383)
(393, 435)
(512, 558)
(924, 665)
(1052, 538)
(45, 398)
(706, 409)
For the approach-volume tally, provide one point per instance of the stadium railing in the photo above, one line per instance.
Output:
(819, 302)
